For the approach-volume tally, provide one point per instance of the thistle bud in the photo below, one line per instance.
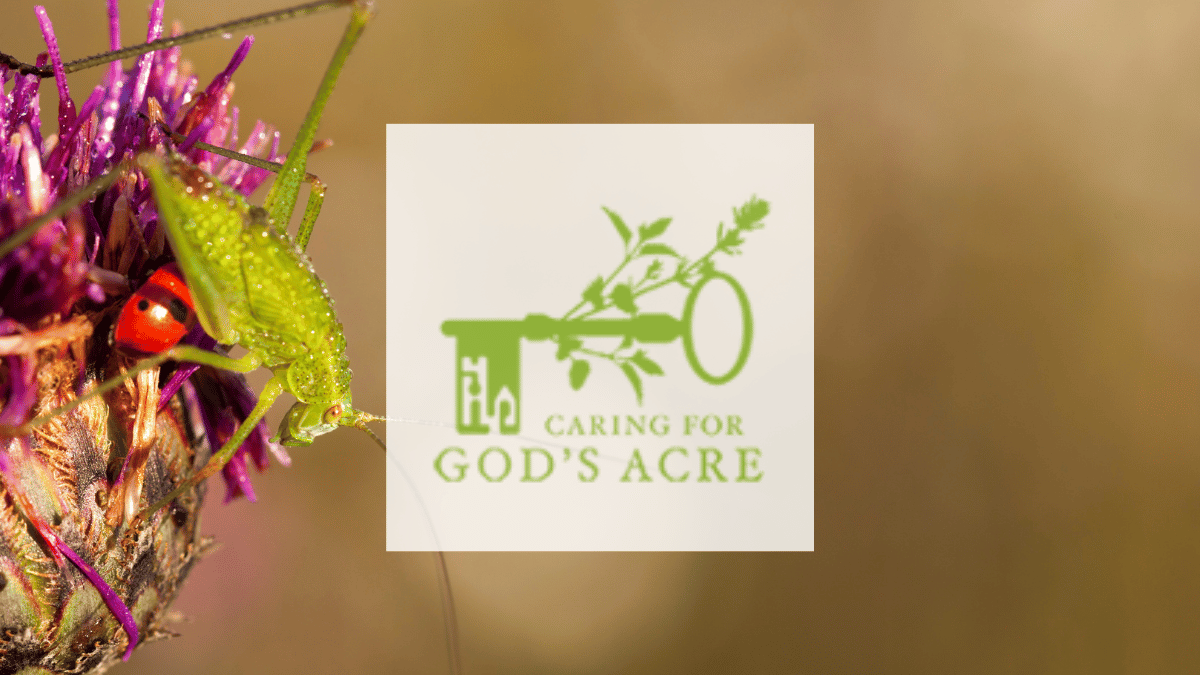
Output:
(62, 492)
(86, 573)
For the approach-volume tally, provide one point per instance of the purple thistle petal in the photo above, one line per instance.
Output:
(103, 148)
(66, 106)
(8, 171)
(114, 25)
(195, 135)
(237, 480)
(4, 73)
(210, 106)
(36, 190)
(24, 108)
(181, 375)
(153, 32)
(115, 604)
(195, 337)
(244, 401)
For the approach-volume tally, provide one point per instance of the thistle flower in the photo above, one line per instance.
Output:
(78, 587)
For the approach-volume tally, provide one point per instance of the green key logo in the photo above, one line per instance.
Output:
(488, 351)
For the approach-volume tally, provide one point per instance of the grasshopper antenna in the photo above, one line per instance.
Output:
(449, 615)
(192, 36)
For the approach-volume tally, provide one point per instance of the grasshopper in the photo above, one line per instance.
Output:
(252, 285)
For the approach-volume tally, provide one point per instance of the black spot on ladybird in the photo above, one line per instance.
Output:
(178, 310)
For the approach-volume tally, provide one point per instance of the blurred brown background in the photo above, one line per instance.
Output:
(1007, 465)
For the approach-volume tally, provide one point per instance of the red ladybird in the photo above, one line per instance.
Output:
(158, 315)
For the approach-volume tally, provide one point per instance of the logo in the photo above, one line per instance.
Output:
(600, 337)
(488, 351)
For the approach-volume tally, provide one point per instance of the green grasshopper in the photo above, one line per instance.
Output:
(251, 284)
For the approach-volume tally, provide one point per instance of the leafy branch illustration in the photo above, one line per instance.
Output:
(606, 292)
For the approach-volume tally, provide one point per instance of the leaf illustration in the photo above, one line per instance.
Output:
(707, 269)
(622, 298)
(566, 345)
(655, 248)
(752, 212)
(627, 342)
(681, 272)
(732, 238)
(654, 269)
(594, 293)
(646, 363)
(579, 372)
(655, 229)
(622, 228)
(634, 379)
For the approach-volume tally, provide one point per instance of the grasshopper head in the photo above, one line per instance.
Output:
(305, 421)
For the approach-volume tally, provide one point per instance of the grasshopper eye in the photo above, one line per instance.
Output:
(333, 413)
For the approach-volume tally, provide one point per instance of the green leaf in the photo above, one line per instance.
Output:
(752, 212)
(594, 293)
(732, 238)
(646, 363)
(707, 269)
(579, 372)
(622, 298)
(634, 379)
(627, 342)
(657, 249)
(655, 268)
(566, 345)
(681, 272)
(622, 228)
(655, 229)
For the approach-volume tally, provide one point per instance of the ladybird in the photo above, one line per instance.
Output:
(158, 315)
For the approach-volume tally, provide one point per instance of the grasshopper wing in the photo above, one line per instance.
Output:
(288, 305)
